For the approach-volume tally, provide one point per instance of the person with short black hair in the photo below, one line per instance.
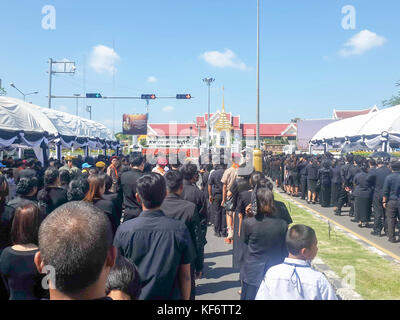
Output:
(362, 196)
(17, 267)
(65, 179)
(76, 240)
(215, 189)
(174, 206)
(123, 282)
(295, 279)
(158, 245)
(128, 186)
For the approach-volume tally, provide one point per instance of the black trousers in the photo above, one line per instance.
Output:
(303, 186)
(350, 200)
(379, 214)
(249, 292)
(391, 213)
(219, 215)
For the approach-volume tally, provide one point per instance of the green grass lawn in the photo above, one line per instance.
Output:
(376, 277)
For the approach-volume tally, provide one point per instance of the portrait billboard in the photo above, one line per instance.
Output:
(134, 124)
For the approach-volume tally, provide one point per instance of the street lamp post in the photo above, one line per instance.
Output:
(62, 69)
(208, 81)
(89, 109)
(258, 76)
(24, 94)
(77, 95)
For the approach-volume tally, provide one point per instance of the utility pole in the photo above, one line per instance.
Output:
(258, 77)
(208, 81)
(77, 95)
(51, 72)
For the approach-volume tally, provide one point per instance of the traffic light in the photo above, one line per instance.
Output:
(148, 96)
(184, 96)
(93, 95)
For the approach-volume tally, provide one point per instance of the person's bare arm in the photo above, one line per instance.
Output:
(210, 198)
(184, 281)
(224, 192)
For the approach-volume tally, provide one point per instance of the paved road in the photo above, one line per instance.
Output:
(381, 243)
(220, 281)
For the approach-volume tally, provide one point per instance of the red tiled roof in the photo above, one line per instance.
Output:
(180, 130)
(266, 130)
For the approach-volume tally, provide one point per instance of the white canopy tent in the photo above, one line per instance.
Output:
(26, 125)
(376, 129)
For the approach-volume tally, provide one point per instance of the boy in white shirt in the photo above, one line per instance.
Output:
(294, 279)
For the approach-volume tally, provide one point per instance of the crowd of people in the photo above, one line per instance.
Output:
(122, 228)
(369, 186)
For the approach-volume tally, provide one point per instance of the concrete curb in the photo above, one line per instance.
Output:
(343, 291)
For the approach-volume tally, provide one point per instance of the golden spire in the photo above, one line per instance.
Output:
(223, 123)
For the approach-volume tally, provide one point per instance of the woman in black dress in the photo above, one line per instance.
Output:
(17, 266)
(362, 196)
(264, 235)
(312, 178)
(324, 177)
(336, 184)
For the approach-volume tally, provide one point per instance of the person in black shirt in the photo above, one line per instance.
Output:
(362, 196)
(159, 246)
(376, 178)
(17, 267)
(174, 206)
(95, 197)
(76, 240)
(264, 235)
(301, 167)
(115, 198)
(351, 173)
(312, 178)
(51, 197)
(215, 191)
(29, 171)
(336, 185)
(6, 217)
(65, 179)
(390, 200)
(324, 177)
(193, 194)
(128, 186)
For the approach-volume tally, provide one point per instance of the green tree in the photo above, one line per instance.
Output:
(295, 120)
(143, 143)
(394, 100)
(3, 92)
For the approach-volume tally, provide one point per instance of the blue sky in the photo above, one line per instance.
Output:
(168, 47)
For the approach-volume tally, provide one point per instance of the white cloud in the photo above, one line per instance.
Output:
(168, 109)
(225, 59)
(152, 79)
(360, 43)
(103, 60)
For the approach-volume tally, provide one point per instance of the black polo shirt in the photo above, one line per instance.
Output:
(377, 178)
(177, 208)
(215, 182)
(193, 194)
(391, 186)
(157, 245)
